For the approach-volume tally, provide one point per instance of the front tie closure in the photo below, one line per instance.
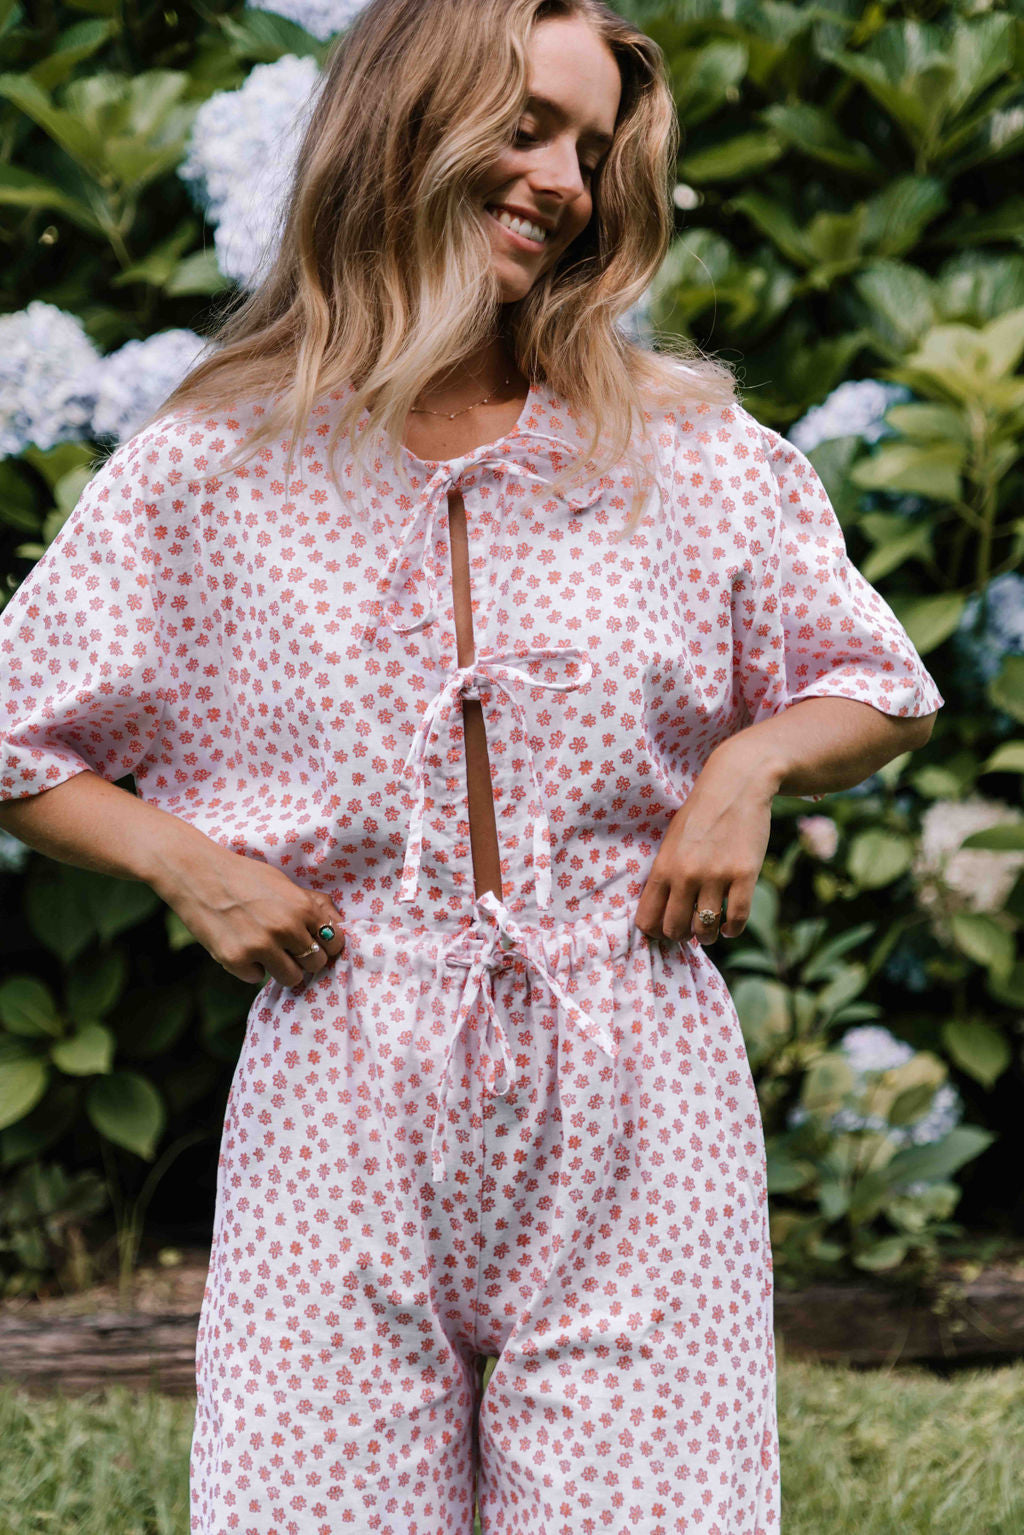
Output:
(498, 669)
(416, 541)
(501, 669)
(488, 952)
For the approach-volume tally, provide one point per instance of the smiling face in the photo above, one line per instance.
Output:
(546, 175)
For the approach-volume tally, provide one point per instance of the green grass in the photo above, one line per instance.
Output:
(879, 1453)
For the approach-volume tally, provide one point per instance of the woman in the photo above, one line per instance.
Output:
(496, 726)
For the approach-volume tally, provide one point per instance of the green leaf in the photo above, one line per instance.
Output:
(74, 44)
(118, 904)
(910, 1105)
(51, 1118)
(884, 1254)
(84, 1054)
(1005, 838)
(823, 961)
(743, 155)
(1006, 689)
(833, 1198)
(1008, 758)
(909, 467)
(982, 939)
(815, 132)
(915, 542)
(178, 935)
(128, 1110)
(977, 1048)
(703, 78)
(152, 1020)
(20, 188)
(57, 901)
(826, 1083)
(197, 273)
(877, 857)
(897, 217)
(763, 920)
(848, 982)
(22, 1084)
(161, 260)
(763, 1010)
(786, 1174)
(264, 36)
(27, 1007)
(95, 983)
(938, 1161)
(775, 220)
(904, 299)
(868, 1197)
(929, 620)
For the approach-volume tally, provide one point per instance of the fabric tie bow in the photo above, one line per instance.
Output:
(481, 961)
(413, 549)
(503, 670)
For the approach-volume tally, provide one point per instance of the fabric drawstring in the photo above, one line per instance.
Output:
(415, 543)
(503, 670)
(481, 961)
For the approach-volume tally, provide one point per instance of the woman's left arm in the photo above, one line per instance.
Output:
(715, 843)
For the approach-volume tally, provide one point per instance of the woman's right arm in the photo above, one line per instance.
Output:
(249, 914)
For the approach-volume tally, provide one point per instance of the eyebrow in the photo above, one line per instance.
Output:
(558, 112)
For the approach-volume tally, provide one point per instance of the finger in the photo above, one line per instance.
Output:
(709, 900)
(740, 899)
(284, 969)
(326, 915)
(311, 957)
(651, 907)
(679, 910)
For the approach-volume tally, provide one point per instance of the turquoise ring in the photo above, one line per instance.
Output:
(326, 932)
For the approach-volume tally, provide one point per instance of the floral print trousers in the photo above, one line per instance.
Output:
(541, 1144)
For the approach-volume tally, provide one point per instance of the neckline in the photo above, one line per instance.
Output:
(513, 431)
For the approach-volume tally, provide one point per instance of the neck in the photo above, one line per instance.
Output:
(482, 373)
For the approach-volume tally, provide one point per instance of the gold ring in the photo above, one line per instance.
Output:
(314, 949)
(708, 917)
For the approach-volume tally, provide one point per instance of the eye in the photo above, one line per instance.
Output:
(523, 136)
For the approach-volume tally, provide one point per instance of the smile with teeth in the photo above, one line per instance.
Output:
(533, 234)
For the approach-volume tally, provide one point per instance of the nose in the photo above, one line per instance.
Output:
(557, 173)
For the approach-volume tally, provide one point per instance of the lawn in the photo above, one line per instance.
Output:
(880, 1453)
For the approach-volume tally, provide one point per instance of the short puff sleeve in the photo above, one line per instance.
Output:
(81, 644)
(813, 626)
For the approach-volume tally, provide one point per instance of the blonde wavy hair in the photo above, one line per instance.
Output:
(382, 276)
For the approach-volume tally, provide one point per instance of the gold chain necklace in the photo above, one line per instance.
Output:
(421, 411)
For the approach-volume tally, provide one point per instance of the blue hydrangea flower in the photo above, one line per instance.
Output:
(240, 160)
(320, 18)
(47, 378)
(991, 627)
(13, 853)
(133, 381)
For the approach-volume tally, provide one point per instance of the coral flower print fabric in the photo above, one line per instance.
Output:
(512, 1127)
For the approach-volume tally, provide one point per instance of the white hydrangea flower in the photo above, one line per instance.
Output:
(240, 160)
(320, 18)
(819, 834)
(870, 1048)
(855, 408)
(950, 878)
(47, 378)
(132, 382)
